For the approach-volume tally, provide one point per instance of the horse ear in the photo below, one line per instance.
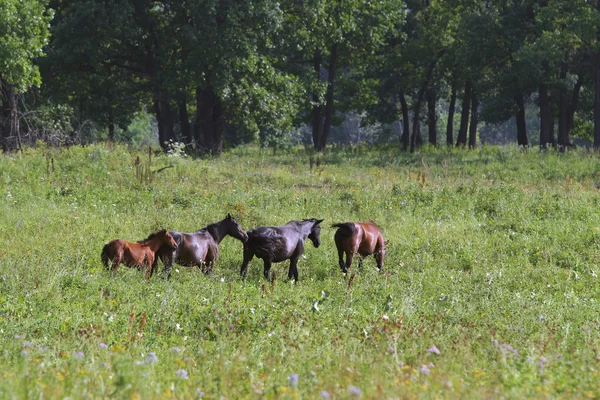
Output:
(228, 216)
(319, 221)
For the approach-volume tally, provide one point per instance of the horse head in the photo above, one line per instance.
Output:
(315, 231)
(234, 229)
(166, 239)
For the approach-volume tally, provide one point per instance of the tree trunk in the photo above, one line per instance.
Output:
(431, 117)
(597, 101)
(474, 120)
(317, 111)
(416, 121)
(329, 97)
(218, 126)
(545, 117)
(573, 104)
(204, 119)
(10, 134)
(521, 124)
(450, 125)
(405, 121)
(461, 140)
(164, 120)
(111, 126)
(210, 121)
(184, 121)
(416, 134)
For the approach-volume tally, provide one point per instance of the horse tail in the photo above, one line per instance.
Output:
(345, 229)
(104, 255)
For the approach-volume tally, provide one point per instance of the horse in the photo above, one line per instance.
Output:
(275, 244)
(141, 255)
(201, 248)
(362, 238)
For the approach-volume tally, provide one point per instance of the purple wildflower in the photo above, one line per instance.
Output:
(508, 347)
(559, 355)
(200, 393)
(293, 380)
(354, 391)
(424, 369)
(24, 352)
(79, 354)
(151, 358)
(543, 360)
(324, 395)
(103, 345)
(181, 373)
(434, 350)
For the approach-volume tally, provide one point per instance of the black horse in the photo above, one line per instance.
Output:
(201, 248)
(278, 243)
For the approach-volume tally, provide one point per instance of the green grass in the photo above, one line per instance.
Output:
(488, 249)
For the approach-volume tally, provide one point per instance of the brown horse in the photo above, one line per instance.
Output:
(139, 255)
(362, 238)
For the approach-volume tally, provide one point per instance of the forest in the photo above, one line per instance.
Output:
(215, 73)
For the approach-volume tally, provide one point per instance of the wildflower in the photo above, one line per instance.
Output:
(424, 370)
(200, 393)
(508, 347)
(559, 355)
(79, 354)
(181, 373)
(176, 350)
(103, 345)
(324, 394)
(293, 380)
(24, 352)
(354, 391)
(151, 358)
(434, 350)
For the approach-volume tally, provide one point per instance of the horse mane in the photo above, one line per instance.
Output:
(153, 235)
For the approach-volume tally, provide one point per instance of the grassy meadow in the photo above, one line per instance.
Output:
(489, 289)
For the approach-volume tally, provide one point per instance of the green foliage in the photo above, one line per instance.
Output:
(492, 258)
(23, 34)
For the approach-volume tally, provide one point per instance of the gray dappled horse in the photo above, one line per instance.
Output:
(275, 244)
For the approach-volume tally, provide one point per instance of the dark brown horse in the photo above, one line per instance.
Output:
(362, 238)
(200, 249)
(139, 255)
(278, 243)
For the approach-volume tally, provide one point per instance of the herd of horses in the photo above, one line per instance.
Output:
(272, 244)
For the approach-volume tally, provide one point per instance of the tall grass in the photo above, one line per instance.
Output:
(493, 259)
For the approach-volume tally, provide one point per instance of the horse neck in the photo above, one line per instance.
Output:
(304, 227)
(154, 243)
(218, 231)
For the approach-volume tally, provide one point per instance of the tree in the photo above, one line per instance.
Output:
(23, 34)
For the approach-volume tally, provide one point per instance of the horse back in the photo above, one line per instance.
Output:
(269, 243)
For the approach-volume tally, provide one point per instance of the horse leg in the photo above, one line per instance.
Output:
(293, 272)
(248, 255)
(349, 258)
(208, 267)
(341, 259)
(267, 270)
(379, 256)
(168, 262)
(117, 261)
(149, 261)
